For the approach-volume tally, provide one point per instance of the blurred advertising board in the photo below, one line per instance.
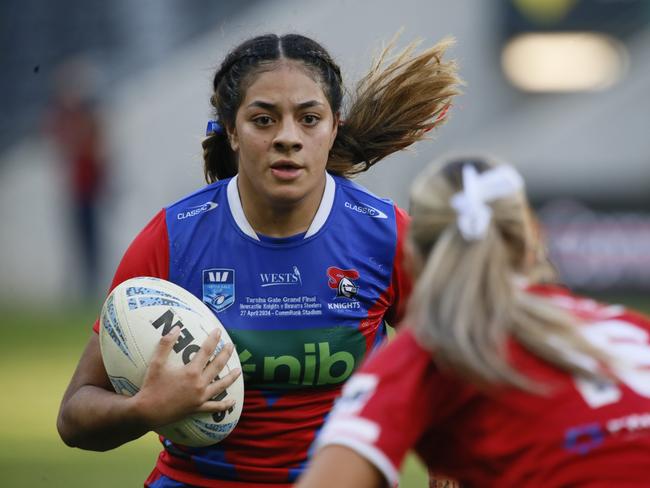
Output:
(596, 250)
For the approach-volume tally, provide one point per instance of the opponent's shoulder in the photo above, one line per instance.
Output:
(403, 353)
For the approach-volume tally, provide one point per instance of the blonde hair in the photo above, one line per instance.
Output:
(466, 303)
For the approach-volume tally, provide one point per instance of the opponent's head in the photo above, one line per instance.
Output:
(489, 212)
(475, 237)
(284, 66)
(469, 237)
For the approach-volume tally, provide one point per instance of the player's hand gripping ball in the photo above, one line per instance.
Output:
(135, 315)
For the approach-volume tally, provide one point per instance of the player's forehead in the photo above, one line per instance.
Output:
(285, 83)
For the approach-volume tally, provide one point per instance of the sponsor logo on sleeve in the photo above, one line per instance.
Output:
(581, 439)
(356, 393)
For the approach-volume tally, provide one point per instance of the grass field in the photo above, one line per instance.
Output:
(39, 353)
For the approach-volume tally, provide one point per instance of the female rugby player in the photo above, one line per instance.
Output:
(301, 265)
(497, 380)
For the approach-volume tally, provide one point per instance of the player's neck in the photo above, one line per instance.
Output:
(280, 218)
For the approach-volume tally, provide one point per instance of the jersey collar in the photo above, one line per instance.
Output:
(324, 209)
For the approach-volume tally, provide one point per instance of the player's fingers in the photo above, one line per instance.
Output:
(212, 406)
(216, 389)
(204, 354)
(218, 361)
(165, 346)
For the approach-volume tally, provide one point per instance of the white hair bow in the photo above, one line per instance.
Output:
(478, 189)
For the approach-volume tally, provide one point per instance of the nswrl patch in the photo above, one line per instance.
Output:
(218, 288)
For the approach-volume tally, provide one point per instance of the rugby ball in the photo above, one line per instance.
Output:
(135, 315)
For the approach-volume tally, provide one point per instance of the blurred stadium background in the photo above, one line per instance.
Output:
(556, 87)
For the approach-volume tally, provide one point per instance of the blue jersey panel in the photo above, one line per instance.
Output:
(303, 312)
(303, 299)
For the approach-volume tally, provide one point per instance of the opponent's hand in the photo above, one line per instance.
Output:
(170, 393)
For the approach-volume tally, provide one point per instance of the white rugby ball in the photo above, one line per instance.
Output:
(135, 315)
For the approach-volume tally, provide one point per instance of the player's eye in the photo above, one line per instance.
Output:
(310, 119)
(263, 120)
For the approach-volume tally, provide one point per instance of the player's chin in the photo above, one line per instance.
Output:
(288, 198)
(289, 193)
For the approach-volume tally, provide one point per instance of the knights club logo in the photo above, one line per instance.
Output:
(218, 288)
(341, 280)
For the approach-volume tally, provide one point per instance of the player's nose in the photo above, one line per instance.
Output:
(288, 137)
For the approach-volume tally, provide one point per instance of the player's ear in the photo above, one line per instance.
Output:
(335, 128)
(233, 139)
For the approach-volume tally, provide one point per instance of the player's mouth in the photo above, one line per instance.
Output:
(286, 169)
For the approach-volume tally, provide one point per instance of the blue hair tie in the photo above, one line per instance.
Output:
(214, 127)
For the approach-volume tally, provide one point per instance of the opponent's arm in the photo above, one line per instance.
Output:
(339, 466)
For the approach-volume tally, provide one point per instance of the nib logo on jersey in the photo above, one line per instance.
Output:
(342, 280)
(218, 288)
(289, 359)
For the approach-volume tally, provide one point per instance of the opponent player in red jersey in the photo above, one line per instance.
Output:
(301, 265)
(498, 380)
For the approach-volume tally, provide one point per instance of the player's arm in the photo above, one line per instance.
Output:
(92, 416)
(342, 467)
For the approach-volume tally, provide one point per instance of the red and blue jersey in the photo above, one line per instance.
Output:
(303, 311)
(581, 433)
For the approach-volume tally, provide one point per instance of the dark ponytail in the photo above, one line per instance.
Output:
(400, 99)
(220, 161)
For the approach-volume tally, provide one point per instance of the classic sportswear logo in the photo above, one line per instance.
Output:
(196, 210)
(364, 208)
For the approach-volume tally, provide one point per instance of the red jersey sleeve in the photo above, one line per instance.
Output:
(401, 283)
(383, 410)
(148, 255)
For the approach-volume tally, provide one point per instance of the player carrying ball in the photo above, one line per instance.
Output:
(302, 266)
(497, 380)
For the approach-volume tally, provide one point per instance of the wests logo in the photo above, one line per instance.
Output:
(341, 281)
(276, 279)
